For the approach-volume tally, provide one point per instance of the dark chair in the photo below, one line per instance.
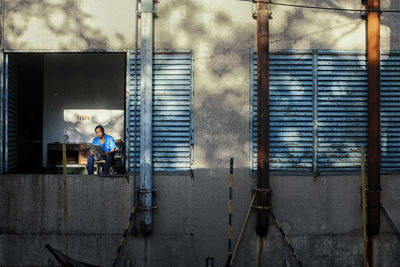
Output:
(117, 166)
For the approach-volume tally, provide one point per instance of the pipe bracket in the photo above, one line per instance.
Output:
(153, 192)
(262, 207)
(255, 14)
(147, 208)
(139, 13)
(147, 10)
(262, 190)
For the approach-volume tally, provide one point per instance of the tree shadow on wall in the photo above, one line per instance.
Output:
(392, 21)
(218, 118)
(307, 27)
(221, 127)
(64, 19)
(82, 133)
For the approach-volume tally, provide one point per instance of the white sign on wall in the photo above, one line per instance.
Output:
(79, 124)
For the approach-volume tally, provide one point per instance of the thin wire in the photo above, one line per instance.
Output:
(323, 8)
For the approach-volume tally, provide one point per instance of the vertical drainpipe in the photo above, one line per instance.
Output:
(374, 156)
(263, 193)
(146, 105)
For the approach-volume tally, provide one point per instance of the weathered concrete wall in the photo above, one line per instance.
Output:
(322, 218)
(221, 33)
(32, 214)
(69, 24)
(99, 24)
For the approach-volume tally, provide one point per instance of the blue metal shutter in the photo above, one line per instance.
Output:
(172, 111)
(291, 111)
(390, 112)
(11, 108)
(133, 112)
(342, 110)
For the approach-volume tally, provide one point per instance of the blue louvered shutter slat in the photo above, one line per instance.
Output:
(134, 111)
(390, 112)
(342, 110)
(291, 130)
(172, 133)
(11, 108)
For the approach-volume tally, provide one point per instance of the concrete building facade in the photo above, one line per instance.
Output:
(320, 214)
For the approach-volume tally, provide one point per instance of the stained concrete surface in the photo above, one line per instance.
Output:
(321, 217)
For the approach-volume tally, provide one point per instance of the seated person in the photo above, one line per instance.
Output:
(108, 144)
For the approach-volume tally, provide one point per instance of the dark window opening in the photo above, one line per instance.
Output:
(25, 113)
(51, 98)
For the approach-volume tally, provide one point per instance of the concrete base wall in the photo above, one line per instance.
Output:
(321, 216)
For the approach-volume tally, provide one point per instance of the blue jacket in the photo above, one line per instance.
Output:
(108, 144)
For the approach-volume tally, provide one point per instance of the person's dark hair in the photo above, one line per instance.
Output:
(99, 126)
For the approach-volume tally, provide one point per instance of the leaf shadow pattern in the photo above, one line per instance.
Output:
(65, 22)
(393, 23)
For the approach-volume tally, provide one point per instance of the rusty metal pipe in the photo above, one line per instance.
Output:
(374, 156)
(263, 193)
